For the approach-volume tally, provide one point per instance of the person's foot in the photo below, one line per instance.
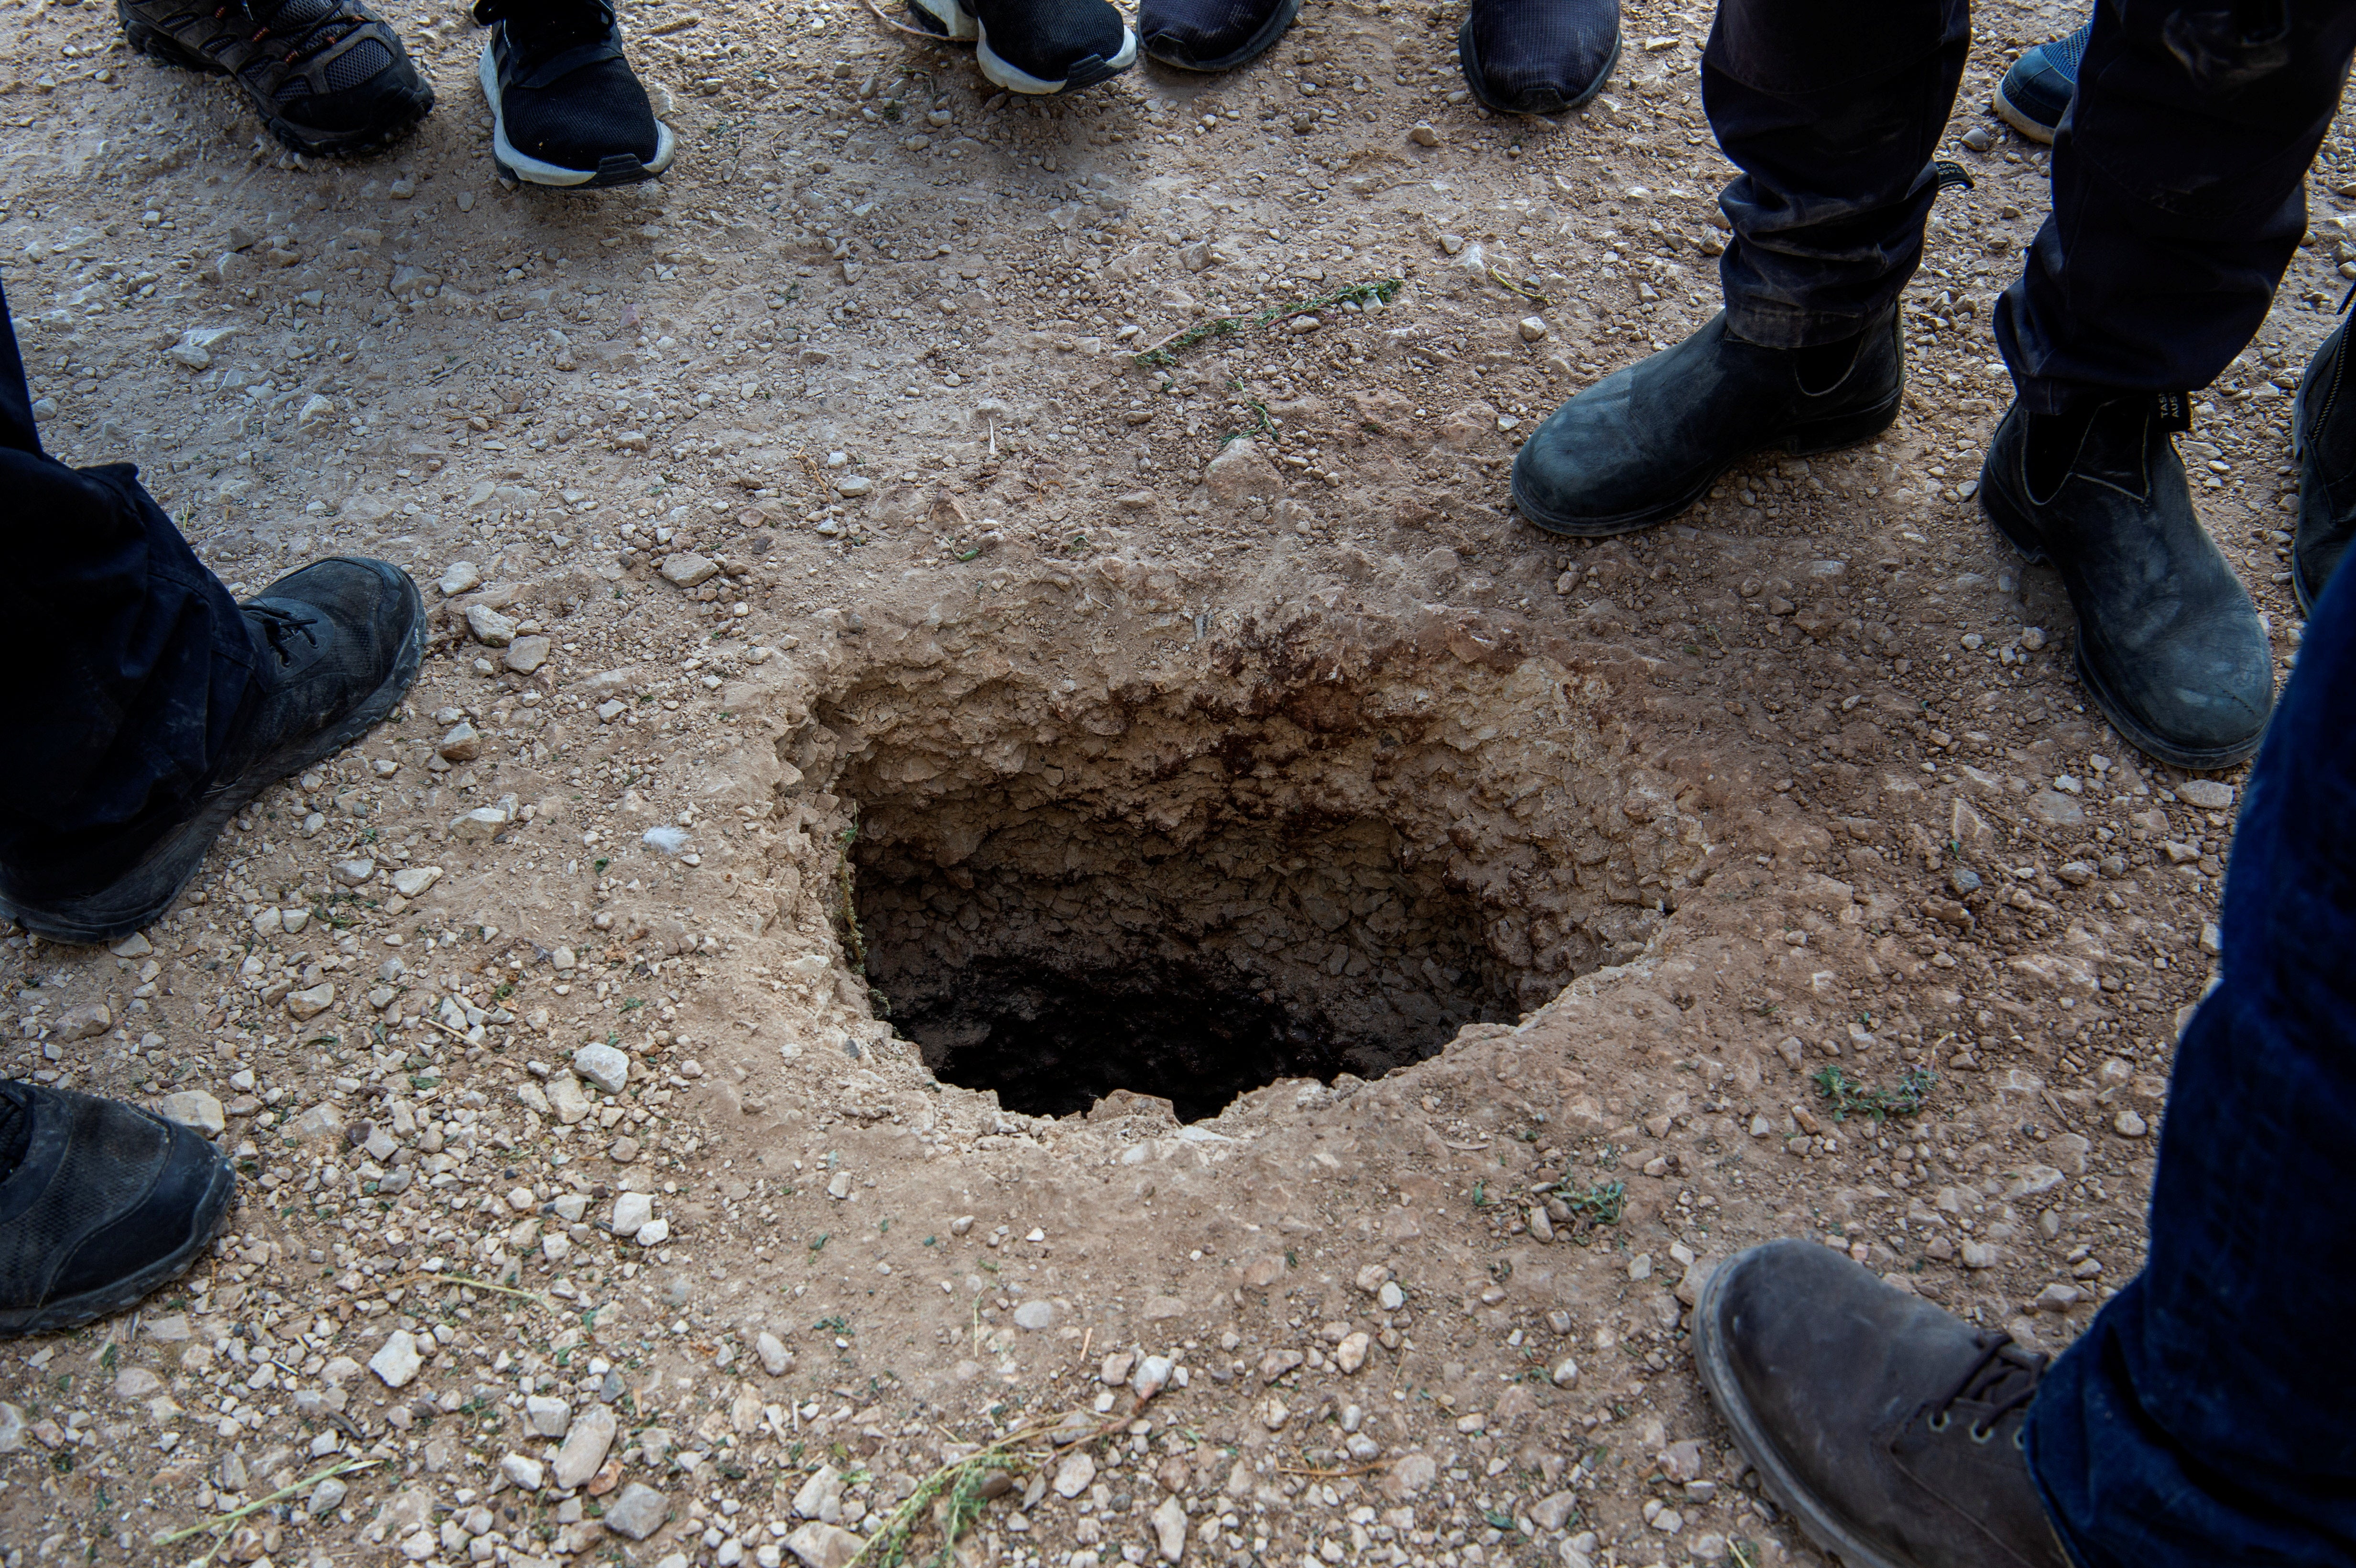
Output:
(1211, 34)
(100, 1203)
(326, 76)
(2169, 643)
(1036, 46)
(567, 110)
(1537, 57)
(1645, 443)
(2323, 439)
(337, 645)
(2035, 93)
(1887, 1428)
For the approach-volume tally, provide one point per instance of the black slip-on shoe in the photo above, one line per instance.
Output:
(1537, 57)
(567, 109)
(1891, 1430)
(2323, 440)
(1036, 46)
(2169, 643)
(100, 1203)
(327, 76)
(1211, 34)
(1645, 443)
(2035, 93)
(338, 643)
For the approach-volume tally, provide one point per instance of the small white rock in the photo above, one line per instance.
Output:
(523, 1472)
(603, 1065)
(396, 1363)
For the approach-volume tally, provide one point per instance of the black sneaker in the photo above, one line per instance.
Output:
(100, 1203)
(568, 110)
(1211, 34)
(1644, 443)
(327, 76)
(1887, 1428)
(2323, 439)
(339, 642)
(1537, 57)
(2035, 93)
(2170, 645)
(1036, 46)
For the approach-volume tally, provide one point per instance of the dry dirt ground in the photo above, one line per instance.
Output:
(1357, 962)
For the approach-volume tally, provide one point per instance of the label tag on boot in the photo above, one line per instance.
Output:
(1950, 175)
(2174, 412)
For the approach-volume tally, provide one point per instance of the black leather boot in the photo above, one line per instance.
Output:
(339, 641)
(2323, 439)
(1887, 1428)
(2169, 643)
(1645, 443)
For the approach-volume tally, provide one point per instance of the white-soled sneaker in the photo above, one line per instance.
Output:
(569, 111)
(1038, 46)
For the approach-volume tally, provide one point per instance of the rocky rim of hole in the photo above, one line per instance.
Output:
(1336, 838)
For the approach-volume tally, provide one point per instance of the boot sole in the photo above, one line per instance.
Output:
(1251, 49)
(164, 49)
(1804, 440)
(613, 169)
(2021, 534)
(2012, 115)
(56, 1317)
(84, 921)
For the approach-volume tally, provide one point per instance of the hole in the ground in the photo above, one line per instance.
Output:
(1070, 958)
(1295, 865)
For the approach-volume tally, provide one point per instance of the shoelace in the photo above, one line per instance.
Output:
(277, 625)
(306, 39)
(2004, 1379)
(550, 23)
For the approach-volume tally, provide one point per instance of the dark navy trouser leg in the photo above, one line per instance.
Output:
(2204, 1417)
(2178, 194)
(127, 658)
(1832, 109)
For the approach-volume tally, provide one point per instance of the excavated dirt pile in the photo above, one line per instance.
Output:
(1312, 860)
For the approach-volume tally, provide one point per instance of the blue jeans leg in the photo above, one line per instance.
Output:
(2204, 1416)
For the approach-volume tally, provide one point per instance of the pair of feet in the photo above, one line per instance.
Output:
(100, 1203)
(1519, 57)
(331, 77)
(2169, 643)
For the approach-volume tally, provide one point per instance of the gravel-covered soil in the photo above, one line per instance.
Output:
(816, 573)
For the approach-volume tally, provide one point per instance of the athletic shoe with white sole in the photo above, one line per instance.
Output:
(2036, 92)
(1036, 46)
(327, 76)
(569, 111)
(1537, 57)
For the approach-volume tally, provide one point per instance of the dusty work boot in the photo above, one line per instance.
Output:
(326, 76)
(1891, 1430)
(1645, 443)
(2169, 643)
(100, 1203)
(2323, 439)
(339, 642)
